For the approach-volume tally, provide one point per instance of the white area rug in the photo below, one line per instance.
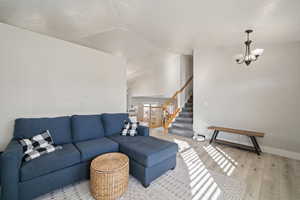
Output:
(189, 181)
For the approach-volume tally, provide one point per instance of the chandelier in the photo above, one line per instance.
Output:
(249, 56)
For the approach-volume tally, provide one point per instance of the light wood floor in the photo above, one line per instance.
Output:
(268, 177)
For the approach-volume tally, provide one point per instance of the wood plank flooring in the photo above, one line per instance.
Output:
(268, 177)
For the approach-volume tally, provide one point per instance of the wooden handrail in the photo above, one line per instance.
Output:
(169, 117)
(177, 92)
(186, 84)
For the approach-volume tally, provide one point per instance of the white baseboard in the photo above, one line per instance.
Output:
(281, 152)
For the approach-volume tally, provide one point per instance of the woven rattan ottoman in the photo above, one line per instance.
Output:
(109, 176)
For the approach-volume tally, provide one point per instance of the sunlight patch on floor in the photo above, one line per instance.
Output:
(203, 186)
(224, 161)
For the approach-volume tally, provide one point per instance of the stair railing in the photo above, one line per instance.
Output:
(171, 108)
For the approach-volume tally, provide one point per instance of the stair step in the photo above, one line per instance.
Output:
(186, 114)
(190, 105)
(184, 120)
(181, 132)
(188, 109)
(188, 126)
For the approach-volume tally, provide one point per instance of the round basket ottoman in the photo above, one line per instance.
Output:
(109, 176)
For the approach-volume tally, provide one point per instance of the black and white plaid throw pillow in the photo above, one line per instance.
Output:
(38, 145)
(41, 140)
(129, 128)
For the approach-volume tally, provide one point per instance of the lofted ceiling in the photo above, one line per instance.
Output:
(147, 31)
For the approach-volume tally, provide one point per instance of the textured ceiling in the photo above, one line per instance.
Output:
(143, 30)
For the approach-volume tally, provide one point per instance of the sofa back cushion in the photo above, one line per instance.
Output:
(59, 128)
(86, 127)
(113, 122)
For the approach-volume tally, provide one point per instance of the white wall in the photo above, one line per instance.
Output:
(264, 96)
(149, 100)
(162, 80)
(186, 72)
(42, 76)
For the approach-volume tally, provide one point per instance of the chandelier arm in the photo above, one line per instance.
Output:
(246, 51)
(246, 47)
(248, 56)
(249, 51)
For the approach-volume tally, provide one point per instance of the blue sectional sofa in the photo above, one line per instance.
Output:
(83, 137)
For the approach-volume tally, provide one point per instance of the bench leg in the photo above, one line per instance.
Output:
(212, 137)
(216, 135)
(255, 144)
(254, 139)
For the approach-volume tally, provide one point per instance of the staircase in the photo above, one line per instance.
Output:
(177, 120)
(183, 124)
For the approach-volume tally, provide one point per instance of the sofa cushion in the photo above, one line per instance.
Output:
(59, 127)
(48, 163)
(92, 148)
(86, 127)
(143, 130)
(113, 122)
(146, 151)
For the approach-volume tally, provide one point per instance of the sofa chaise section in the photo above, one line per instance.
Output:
(150, 157)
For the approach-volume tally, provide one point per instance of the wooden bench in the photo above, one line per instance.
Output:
(250, 134)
